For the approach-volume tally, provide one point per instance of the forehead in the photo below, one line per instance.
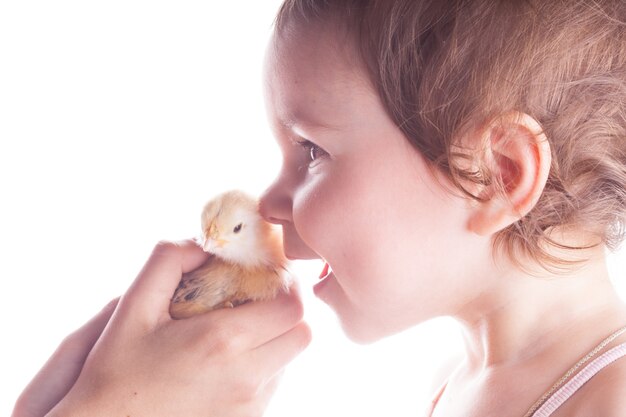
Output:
(311, 73)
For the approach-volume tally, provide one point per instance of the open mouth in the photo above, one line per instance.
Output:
(325, 277)
(325, 271)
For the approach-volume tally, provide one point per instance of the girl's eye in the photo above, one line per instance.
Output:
(237, 228)
(314, 151)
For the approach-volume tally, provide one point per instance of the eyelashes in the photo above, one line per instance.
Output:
(313, 151)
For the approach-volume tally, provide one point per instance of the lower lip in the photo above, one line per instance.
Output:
(319, 287)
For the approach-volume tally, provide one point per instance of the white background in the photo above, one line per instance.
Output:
(118, 120)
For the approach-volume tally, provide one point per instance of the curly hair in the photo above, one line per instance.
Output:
(444, 67)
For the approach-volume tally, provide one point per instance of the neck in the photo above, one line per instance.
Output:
(522, 319)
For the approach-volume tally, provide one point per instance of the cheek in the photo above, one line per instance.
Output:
(384, 225)
(331, 215)
(365, 210)
(319, 206)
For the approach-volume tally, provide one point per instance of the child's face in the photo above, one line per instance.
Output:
(361, 198)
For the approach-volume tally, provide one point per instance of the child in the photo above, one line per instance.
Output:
(460, 158)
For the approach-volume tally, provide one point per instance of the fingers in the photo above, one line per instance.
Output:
(274, 355)
(149, 296)
(252, 324)
(263, 337)
(60, 372)
(86, 336)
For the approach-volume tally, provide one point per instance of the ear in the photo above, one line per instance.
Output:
(518, 155)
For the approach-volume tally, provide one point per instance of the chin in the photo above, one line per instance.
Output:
(364, 332)
(360, 322)
(358, 328)
(360, 336)
(367, 327)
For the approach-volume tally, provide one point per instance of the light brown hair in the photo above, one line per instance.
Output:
(443, 67)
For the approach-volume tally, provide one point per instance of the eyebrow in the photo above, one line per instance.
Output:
(307, 123)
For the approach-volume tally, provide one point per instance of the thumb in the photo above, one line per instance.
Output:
(150, 294)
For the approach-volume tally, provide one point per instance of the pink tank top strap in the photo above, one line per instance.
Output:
(566, 391)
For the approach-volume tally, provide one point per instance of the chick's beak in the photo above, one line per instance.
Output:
(210, 244)
(212, 240)
(206, 245)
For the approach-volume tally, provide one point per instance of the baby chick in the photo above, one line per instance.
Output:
(248, 262)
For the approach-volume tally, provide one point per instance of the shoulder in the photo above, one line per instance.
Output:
(603, 395)
(608, 396)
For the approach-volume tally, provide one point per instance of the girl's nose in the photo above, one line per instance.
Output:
(275, 203)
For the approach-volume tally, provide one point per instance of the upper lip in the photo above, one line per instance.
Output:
(293, 258)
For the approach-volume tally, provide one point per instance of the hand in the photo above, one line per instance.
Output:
(222, 363)
(60, 372)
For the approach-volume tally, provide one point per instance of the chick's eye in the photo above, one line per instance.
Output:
(237, 228)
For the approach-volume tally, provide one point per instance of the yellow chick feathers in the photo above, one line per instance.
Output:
(248, 262)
